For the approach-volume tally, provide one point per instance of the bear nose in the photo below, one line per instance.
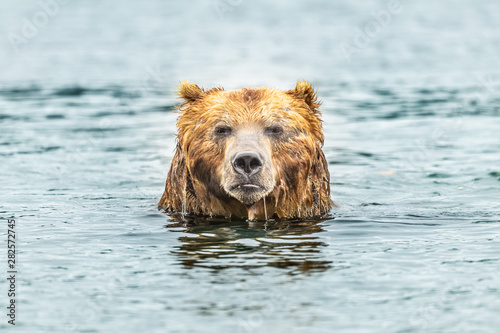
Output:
(247, 163)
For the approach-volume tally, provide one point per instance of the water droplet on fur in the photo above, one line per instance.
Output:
(265, 208)
(184, 204)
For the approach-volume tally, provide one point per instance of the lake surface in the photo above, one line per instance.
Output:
(412, 125)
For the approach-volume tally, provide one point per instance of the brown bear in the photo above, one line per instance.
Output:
(251, 153)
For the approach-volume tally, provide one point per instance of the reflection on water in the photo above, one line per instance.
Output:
(219, 244)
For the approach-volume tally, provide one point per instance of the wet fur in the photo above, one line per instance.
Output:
(302, 180)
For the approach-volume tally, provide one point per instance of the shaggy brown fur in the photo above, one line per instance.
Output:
(283, 127)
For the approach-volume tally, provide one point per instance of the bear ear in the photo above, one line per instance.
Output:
(189, 91)
(305, 91)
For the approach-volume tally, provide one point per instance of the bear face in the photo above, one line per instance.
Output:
(251, 153)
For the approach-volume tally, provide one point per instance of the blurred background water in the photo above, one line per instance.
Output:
(411, 115)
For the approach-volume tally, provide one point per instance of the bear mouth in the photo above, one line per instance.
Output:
(248, 186)
(247, 193)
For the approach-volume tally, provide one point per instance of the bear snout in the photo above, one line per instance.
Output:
(247, 163)
(248, 174)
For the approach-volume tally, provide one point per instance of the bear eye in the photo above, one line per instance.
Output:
(223, 130)
(274, 130)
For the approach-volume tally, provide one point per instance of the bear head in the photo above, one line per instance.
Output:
(249, 153)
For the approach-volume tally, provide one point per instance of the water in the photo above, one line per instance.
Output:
(412, 138)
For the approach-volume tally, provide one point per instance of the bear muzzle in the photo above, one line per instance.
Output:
(248, 177)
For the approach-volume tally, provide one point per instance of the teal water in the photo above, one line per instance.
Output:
(412, 123)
